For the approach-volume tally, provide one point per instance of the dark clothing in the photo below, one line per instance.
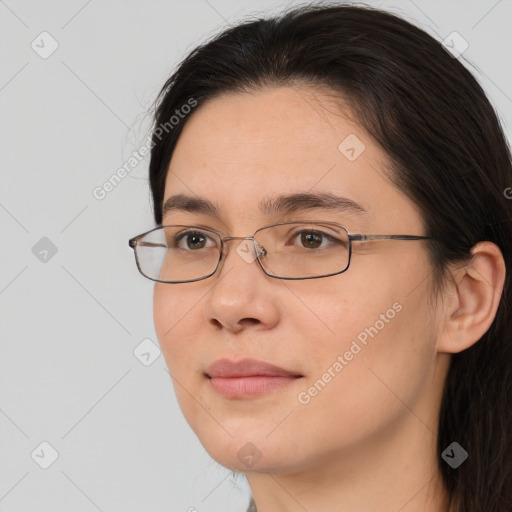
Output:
(252, 506)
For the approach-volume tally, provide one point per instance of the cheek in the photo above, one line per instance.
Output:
(347, 402)
(177, 316)
(381, 357)
(379, 333)
(164, 304)
(176, 325)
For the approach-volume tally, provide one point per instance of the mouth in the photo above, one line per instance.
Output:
(248, 378)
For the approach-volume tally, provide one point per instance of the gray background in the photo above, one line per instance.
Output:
(70, 321)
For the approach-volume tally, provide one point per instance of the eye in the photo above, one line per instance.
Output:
(193, 240)
(314, 239)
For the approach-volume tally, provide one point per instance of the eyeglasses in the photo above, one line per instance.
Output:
(288, 250)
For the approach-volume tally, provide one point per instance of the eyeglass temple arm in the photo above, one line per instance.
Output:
(363, 238)
(134, 242)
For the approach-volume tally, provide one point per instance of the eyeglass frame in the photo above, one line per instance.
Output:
(260, 250)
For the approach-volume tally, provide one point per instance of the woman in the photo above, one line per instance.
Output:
(338, 371)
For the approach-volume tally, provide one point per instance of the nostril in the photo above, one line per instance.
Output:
(249, 321)
(216, 323)
(238, 326)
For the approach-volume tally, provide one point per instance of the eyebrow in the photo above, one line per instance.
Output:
(281, 204)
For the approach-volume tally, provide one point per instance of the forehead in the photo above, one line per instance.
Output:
(238, 150)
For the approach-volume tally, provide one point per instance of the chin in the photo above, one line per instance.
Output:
(249, 449)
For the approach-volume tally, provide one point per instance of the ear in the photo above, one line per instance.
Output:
(471, 298)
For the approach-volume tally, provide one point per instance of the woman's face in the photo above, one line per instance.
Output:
(358, 348)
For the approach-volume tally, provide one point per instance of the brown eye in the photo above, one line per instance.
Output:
(311, 239)
(192, 240)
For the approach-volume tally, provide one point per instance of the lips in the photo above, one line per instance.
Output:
(247, 368)
(249, 377)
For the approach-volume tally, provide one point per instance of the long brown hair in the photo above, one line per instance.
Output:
(449, 154)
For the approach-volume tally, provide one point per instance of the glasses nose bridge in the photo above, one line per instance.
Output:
(228, 238)
(260, 250)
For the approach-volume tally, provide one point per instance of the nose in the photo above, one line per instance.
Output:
(252, 247)
(243, 296)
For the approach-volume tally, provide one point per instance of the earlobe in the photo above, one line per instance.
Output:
(473, 298)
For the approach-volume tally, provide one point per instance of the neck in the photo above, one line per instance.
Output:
(398, 471)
